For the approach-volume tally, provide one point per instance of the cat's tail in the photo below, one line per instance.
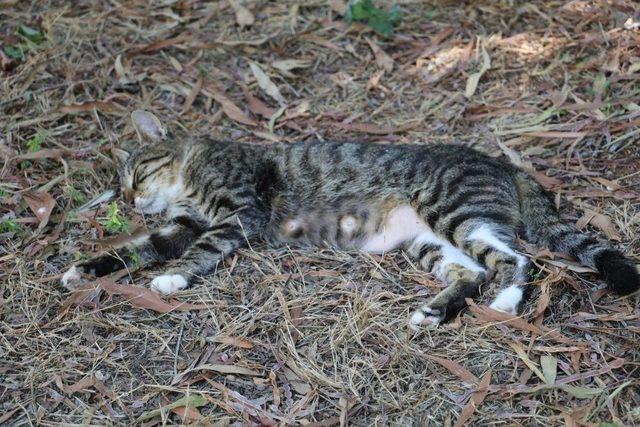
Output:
(543, 226)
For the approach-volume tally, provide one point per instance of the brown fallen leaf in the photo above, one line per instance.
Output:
(216, 367)
(266, 84)
(600, 221)
(374, 81)
(474, 79)
(188, 414)
(235, 341)
(256, 106)
(41, 204)
(527, 361)
(455, 368)
(569, 265)
(244, 17)
(157, 45)
(290, 64)
(230, 109)
(146, 298)
(195, 90)
(548, 182)
(84, 383)
(338, 6)
(103, 106)
(383, 60)
(375, 129)
(7, 415)
(45, 153)
(610, 185)
(485, 314)
(476, 400)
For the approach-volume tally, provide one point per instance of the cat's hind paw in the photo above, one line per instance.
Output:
(72, 278)
(169, 283)
(425, 317)
(508, 300)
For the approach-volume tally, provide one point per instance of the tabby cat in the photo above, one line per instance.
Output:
(454, 210)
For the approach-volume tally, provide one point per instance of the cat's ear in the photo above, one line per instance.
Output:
(148, 126)
(120, 155)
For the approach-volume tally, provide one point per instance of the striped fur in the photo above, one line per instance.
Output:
(453, 209)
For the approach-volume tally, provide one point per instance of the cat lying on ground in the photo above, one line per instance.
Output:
(454, 210)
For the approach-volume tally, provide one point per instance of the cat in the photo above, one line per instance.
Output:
(455, 211)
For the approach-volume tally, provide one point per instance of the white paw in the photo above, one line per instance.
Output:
(169, 283)
(425, 317)
(508, 300)
(71, 278)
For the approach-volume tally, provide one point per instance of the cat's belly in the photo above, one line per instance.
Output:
(371, 228)
(402, 224)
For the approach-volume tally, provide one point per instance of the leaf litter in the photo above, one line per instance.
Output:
(290, 337)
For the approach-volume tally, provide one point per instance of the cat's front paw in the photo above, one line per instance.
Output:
(426, 317)
(169, 283)
(72, 278)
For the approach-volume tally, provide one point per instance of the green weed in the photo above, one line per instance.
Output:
(382, 21)
(115, 222)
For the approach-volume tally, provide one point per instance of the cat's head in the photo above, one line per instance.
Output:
(150, 172)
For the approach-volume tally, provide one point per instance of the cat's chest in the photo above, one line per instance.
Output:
(371, 227)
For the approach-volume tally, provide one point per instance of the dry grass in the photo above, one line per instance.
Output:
(318, 337)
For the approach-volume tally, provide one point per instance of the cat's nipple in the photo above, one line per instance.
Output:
(292, 228)
(348, 224)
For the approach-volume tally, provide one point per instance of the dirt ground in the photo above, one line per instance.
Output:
(316, 338)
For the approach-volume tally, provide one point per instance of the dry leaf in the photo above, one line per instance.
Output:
(121, 73)
(485, 314)
(45, 153)
(234, 341)
(158, 45)
(610, 185)
(146, 298)
(523, 356)
(83, 384)
(223, 369)
(474, 79)
(189, 401)
(256, 106)
(244, 17)
(290, 64)
(455, 368)
(230, 109)
(549, 368)
(600, 221)
(384, 61)
(41, 204)
(375, 129)
(192, 95)
(188, 414)
(476, 400)
(266, 84)
(338, 6)
(569, 265)
(102, 106)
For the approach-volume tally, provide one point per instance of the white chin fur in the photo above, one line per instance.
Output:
(168, 283)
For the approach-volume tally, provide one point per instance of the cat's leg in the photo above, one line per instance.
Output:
(220, 240)
(494, 246)
(167, 243)
(462, 275)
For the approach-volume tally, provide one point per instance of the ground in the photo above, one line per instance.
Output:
(289, 337)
